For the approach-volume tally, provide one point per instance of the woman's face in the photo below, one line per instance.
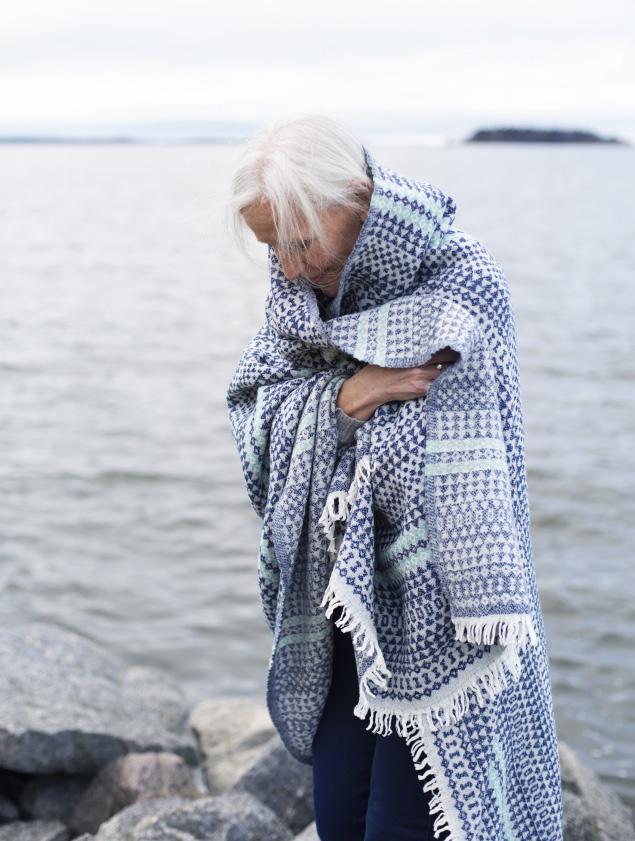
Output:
(307, 259)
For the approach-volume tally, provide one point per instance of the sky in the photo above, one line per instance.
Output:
(404, 66)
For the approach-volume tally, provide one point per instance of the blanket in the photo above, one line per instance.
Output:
(418, 531)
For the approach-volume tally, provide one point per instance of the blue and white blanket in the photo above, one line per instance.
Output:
(418, 529)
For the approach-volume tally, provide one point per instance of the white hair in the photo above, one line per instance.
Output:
(300, 167)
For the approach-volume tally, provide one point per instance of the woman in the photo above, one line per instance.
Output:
(377, 417)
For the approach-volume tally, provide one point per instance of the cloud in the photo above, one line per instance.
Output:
(559, 60)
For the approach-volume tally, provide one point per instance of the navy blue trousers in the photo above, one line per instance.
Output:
(365, 786)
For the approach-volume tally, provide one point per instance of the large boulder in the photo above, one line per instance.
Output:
(232, 733)
(34, 831)
(592, 810)
(68, 705)
(8, 809)
(226, 817)
(576, 823)
(309, 834)
(281, 783)
(53, 796)
(136, 776)
(123, 825)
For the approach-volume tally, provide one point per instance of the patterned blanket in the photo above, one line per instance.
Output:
(418, 529)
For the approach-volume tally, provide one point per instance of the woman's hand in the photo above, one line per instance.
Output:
(373, 385)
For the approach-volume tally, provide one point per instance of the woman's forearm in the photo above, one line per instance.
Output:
(354, 399)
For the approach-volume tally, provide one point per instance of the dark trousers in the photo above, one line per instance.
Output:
(365, 786)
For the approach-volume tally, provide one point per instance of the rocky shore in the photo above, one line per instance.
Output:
(93, 749)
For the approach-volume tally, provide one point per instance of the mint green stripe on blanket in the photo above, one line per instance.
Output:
(382, 332)
(405, 213)
(362, 335)
(449, 467)
(294, 639)
(406, 541)
(460, 445)
(267, 564)
(400, 568)
(255, 459)
(303, 619)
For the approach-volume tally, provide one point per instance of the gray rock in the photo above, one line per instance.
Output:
(12, 783)
(281, 783)
(136, 776)
(598, 811)
(8, 809)
(68, 705)
(232, 734)
(309, 834)
(576, 824)
(34, 831)
(122, 826)
(227, 817)
(53, 796)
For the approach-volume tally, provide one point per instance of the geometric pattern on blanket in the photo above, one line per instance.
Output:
(418, 529)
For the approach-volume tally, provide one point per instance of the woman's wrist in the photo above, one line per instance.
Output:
(354, 401)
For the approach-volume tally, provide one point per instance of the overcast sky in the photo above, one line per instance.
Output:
(406, 65)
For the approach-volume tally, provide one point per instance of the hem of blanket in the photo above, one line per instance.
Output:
(496, 629)
(417, 726)
(426, 758)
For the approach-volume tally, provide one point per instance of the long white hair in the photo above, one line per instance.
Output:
(300, 167)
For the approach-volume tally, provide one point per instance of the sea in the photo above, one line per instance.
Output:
(125, 304)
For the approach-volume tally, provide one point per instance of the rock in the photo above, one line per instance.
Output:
(136, 776)
(597, 810)
(232, 733)
(34, 831)
(281, 783)
(309, 834)
(8, 810)
(226, 817)
(68, 705)
(12, 783)
(576, 824)
(122, 826)
(53, 796)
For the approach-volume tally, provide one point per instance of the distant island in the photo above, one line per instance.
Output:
(534, 135)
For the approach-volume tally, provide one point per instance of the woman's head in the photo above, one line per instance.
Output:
(302, 187)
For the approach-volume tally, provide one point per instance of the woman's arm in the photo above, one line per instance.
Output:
(361, 393)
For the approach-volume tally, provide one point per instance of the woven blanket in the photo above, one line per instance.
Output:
(417, 530)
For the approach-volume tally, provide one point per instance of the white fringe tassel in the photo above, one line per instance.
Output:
(500, 629)
(364, 640)
(483, 685)
(415, 727)
(416, 742)
(510, 630)
(339, 503)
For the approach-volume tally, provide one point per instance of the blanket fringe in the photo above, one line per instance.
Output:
(417, 745)
(510, 630)
(364, 639)
(339, 503)
(380, 721)
(484, 684)
(501, 629)
(416, 727)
